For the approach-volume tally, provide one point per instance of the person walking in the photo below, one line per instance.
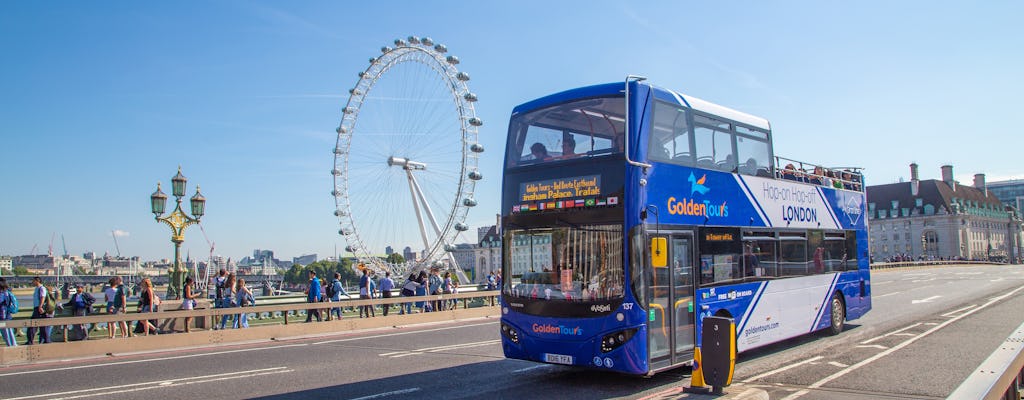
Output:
(386, 286)
(38, 312)
(408, 290)
(188, 301)
(7, 304)
(229, 298)
(81, 304)
(334, 291)
(421, 290)
(364, 293)
(120, 302)
(434, 282)
(244, 298)
(313, 296)
(148, 301)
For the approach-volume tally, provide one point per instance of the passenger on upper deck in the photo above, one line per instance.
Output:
(789, 173)
(539, 152)
(569, 147)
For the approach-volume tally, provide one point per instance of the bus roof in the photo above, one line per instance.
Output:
(617, 88)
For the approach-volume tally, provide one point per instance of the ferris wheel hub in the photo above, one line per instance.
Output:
(405, 163)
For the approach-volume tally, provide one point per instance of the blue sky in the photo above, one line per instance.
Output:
(100, 100)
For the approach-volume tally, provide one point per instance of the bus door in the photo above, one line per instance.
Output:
(670, 323)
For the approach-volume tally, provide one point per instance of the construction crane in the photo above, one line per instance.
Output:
(202, 284)
(65, 244)
(116, 247)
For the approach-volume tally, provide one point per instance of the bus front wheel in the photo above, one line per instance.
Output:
(838, 314)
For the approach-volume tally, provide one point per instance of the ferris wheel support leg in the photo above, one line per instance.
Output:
(419, 217)
(437, 230)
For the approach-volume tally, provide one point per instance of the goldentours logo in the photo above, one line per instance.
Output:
(697, 208)
(852, 208)
(557, 330)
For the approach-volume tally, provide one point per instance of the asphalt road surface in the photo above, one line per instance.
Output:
(928, 330)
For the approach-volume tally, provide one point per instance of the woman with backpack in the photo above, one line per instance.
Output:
(229, 298)
(8, 306)
(148, 301)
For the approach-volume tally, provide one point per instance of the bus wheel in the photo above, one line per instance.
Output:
(838, 314)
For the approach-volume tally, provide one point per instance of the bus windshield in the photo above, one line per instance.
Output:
(572, 264)
(582, 128)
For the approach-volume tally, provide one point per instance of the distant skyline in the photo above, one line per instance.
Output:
(100, 101)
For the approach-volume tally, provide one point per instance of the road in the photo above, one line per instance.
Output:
(928, 330)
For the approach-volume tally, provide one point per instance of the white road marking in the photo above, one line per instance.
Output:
(969, 273)
(405, 353)
(887, 294)
(151, 360)
(134, 387)
(998, 279)
(837, 364)
(531, 368)
(927, 300)
(890, 333)
(949, 314)
(379, 395)
(404, 333)
(872, 346)
(775, 371)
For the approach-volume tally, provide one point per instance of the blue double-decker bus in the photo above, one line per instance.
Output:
(632, 212)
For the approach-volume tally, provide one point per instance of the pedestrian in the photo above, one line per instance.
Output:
(8, 306)
(313, 296)
(229, 297)
(188, 302)
(244, 298)
(448, 287)
(364, 292)
(386, 286)
(334, 291)
(491, 282)
(81, 304)
(120, 302)
(148, 301)
(408, 290)
(421, 290)
(435, 282)
(39, 295)
(218, 284)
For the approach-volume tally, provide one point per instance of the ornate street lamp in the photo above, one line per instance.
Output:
(178, 221)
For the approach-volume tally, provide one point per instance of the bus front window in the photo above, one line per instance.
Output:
(569, 264)
(582, 128)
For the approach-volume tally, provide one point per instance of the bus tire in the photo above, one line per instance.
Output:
(838, 309)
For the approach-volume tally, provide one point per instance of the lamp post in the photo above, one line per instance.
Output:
(178, 221)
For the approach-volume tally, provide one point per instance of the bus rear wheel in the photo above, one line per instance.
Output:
(838, 314)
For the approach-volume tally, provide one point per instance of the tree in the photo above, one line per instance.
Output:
(395, 258)
(20, 270)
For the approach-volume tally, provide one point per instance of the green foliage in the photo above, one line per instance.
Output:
(20, 270)
(325, 270)
(395, 258)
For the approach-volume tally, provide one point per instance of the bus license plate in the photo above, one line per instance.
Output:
(558, 358)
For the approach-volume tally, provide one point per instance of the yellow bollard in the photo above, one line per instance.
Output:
(697, 378)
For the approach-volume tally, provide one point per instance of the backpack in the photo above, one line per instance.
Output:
(50, 304)
(330, 291)
(12, 304)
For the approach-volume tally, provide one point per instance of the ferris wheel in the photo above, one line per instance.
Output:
(405, 161)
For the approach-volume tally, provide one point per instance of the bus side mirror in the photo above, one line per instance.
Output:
(659, 255)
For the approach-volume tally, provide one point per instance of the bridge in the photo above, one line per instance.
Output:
(936, 332)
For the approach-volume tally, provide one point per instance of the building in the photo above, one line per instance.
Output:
(1010, 192)
(941, 219)
(389, 250)
(409, 255)
(304, 260)
(487, 254)
(6, 264)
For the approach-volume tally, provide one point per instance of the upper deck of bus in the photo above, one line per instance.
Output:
(597, 113)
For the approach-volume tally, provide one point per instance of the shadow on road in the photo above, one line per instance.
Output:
(504, 379)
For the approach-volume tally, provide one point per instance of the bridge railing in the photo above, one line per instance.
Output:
(907, 264)
(271, 322)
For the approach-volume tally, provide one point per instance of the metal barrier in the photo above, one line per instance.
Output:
(468, 305)
(1000, 376)
(909, 264)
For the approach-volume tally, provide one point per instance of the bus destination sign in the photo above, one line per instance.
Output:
(561, 188)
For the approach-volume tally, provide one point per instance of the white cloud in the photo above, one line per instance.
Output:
(120, 233)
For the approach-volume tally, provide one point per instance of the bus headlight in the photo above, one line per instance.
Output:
(510, 333)
(612, 341)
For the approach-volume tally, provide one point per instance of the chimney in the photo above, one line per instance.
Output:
(947, 176)
(979, 183)
(915, 183)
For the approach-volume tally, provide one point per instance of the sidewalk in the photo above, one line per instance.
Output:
(734, 392)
